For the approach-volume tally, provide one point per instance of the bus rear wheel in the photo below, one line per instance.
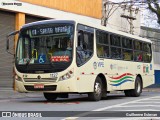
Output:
(97, 94)
(50, 96)
(137, 90)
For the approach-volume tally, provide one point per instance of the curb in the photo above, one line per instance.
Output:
(151, 90)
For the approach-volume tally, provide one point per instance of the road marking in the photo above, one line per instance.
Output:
(141, 106)
(117, 105)
(155, 99)
(109, 107)
(148, 102)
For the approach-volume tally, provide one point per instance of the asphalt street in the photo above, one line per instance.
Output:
(79, 107)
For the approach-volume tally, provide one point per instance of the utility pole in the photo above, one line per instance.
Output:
(105, 12)
(108, 9)
(130, 17)
(131, 20)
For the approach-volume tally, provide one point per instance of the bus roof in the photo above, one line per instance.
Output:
(87, 24)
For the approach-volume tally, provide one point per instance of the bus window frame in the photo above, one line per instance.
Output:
(107, 45)
(121, 46)
(115, 46)
(150, 44)
(76, 39)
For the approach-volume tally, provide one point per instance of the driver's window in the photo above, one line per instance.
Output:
(84, 44)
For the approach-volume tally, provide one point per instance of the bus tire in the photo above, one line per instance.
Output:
(137, 89)
(97, 94)
(50, 96)
(127, 93)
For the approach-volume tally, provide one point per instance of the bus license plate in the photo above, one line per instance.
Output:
(38, 86)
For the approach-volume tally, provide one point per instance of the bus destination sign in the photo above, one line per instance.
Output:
(50, 30)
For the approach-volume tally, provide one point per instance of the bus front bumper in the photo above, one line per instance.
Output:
(56, 87)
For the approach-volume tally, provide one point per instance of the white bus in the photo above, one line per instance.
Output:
(59, 57)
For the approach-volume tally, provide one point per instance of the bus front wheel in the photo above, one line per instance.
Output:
(50, 96)
(97, 93)
(137, 90)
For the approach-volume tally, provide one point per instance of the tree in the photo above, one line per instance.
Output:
(155, 8)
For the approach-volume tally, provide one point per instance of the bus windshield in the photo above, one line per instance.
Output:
(45, 48)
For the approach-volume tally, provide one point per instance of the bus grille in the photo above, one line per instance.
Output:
(40, 80)
(46, 88)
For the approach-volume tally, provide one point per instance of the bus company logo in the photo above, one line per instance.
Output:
(98, 64)
(38, 77)
(95, 65)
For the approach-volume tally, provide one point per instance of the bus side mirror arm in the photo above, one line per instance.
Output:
(7, 42)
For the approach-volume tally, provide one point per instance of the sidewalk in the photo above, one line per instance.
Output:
(151, 90)
(9, 93)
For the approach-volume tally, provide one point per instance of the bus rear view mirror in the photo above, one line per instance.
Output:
(13, 33)
(8, 39)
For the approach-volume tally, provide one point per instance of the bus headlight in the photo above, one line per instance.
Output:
(67, 75)
(18, 78)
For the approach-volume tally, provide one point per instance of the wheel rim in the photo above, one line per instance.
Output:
(97, 89)
(138, 87)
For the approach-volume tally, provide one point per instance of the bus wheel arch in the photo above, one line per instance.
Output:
(104, 84)
(138, 85)
(140, 79)
(100, 83)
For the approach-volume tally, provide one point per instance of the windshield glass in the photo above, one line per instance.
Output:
(45, 48)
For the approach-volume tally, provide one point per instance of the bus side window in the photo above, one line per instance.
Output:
(102, 44)
(138, 56)
(84, 49)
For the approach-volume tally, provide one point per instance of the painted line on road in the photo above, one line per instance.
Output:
(148, 102)
(105, 108)
(141, 106)
(117, 105)
(155, 99)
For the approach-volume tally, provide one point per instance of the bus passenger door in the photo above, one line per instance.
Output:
(84, 53)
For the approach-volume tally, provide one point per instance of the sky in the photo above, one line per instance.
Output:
(148, 18)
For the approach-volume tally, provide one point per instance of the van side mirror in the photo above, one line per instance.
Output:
(7, 42)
